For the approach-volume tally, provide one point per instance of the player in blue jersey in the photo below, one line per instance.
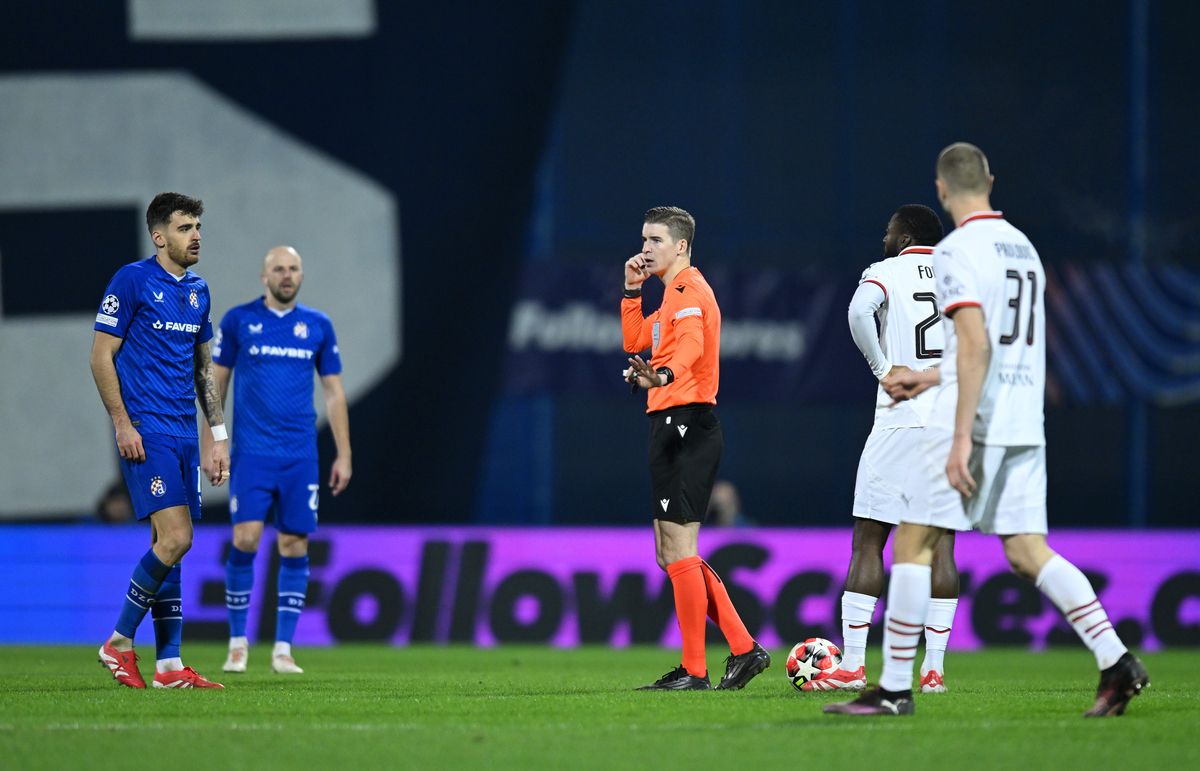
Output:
(150, 359)
(276, 344)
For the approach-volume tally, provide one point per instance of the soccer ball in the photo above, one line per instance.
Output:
(810, 659)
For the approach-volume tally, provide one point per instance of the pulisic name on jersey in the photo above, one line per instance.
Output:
(1015, 251)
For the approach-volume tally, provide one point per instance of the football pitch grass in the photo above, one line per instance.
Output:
(533, 707)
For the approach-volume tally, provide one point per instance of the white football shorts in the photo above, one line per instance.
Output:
(887, 459)
(1010, 496)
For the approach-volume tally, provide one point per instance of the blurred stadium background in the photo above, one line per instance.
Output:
(465, 179)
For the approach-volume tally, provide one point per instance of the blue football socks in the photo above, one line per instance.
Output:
(239, 580)
(293, 585)
(168, 616)
(147, 578)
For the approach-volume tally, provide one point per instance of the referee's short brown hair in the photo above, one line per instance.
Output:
(963, 169)
(680, 224)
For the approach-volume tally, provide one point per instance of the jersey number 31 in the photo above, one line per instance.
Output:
(1015, 304)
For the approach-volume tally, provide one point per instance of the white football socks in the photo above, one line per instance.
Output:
(908, 601)
(857, 610)
(1071, 592)
(282, 649)
(162, 666)
(120, 642)
(938, 621)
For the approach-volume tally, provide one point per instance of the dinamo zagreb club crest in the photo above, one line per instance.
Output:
(194, 300)
(157, 488)
(300, 330)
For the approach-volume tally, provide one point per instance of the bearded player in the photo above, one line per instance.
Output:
(275, 345)
(150, 359)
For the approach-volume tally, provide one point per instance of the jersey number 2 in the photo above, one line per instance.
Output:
(925, 324)
(1015, 304)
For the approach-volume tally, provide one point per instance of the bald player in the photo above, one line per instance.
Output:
(276, 344)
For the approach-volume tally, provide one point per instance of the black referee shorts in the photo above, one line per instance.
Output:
(685, 451)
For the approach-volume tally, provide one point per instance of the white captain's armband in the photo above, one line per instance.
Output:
(688, 312)
(219, 433)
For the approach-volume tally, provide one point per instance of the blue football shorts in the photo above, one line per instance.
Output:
(170, 475)
(291, 484)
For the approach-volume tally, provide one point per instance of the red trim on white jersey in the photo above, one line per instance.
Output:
(917, 250)
(956, 306)
(876, 283)
(983, 215)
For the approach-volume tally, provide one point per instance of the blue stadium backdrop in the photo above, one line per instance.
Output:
(465, 178)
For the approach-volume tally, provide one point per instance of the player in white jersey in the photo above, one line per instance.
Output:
(900, 291)
(983, 461)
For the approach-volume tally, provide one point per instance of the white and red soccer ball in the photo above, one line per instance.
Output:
(811, 659)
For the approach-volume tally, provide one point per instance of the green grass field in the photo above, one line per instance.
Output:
(524, 708)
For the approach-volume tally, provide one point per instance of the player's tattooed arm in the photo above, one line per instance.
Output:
(216, 464)
(206, 437)
(207, 388)
(104, 371)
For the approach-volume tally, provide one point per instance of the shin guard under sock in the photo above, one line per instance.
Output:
(147, 578)
(239, 581)
(691, 607)
(857, 610)
(293, 585)
(1068, 588)
(168, 615)
(908, 602)
(720, 609)
(939, 620)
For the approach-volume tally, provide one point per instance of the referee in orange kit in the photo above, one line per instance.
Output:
(685, 440)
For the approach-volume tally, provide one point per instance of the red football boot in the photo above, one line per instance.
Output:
(123, 665)
(933, 682)
(838, 680)
(183, 678)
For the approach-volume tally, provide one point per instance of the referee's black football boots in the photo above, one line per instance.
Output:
(678, 679)
(740, 670)
(1118, 684)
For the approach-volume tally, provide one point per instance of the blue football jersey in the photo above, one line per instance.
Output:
(161, 319)
(274, 358)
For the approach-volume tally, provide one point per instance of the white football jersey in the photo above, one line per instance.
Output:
(910, 332)
(988, 263)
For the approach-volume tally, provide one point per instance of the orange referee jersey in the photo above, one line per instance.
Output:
(685, 333)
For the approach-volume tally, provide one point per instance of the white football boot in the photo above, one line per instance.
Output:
(238, 653)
